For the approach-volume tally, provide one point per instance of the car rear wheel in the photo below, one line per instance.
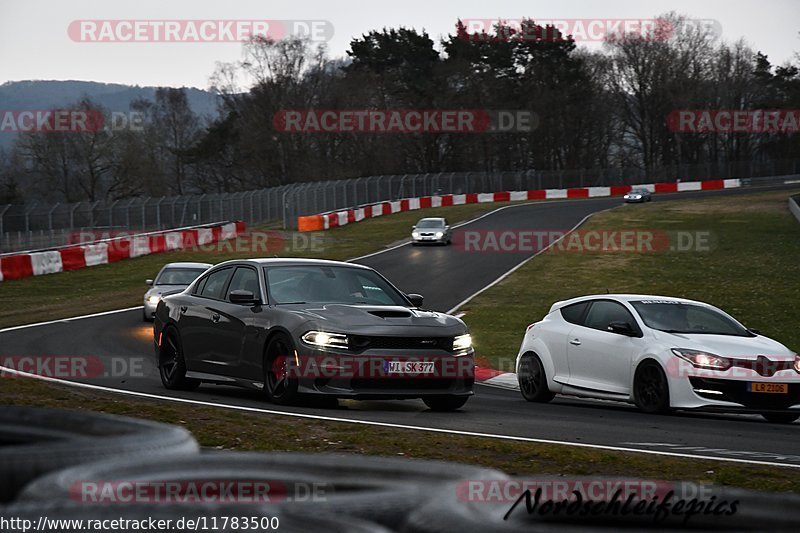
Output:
(172, 365)
(279, 387)
(533, 380)
(780, 418)
(651, 391)
(445, 403)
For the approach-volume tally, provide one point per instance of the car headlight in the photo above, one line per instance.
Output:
(797, 363)
(154, 299)
(439, 234)
(701, 359)
(462, 343)
(325, 340)
(415, 234)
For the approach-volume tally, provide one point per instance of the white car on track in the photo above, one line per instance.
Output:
(659, 353)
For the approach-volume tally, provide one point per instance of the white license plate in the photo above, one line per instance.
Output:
(408, 367)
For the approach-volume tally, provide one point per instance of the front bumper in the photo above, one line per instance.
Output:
(714, 391)
(366, 376)
(428, 240)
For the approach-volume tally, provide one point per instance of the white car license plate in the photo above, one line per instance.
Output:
(408, 367)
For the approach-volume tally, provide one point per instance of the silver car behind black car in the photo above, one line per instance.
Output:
(295, 327)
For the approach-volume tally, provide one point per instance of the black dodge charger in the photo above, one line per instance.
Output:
(295, 327)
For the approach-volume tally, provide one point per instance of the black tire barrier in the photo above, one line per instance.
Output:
(379, 489)
(35, 441)
(716, 508)
(69, 517)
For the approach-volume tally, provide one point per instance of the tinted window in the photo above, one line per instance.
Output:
(245, 279)
(679, 317)
(324, 284)
(604, 312)
(215, 284)
(178, 276)
(573, 313)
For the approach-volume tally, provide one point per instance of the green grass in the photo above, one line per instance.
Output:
(232, 430)
(121, 284)
(752, 270)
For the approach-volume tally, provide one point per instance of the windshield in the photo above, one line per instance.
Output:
(178, 276)
(430, 223)
(326, 284)
(679, 317)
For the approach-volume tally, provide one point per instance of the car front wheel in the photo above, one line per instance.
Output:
(651, 390)
(533, 380)
(279, 386)
(445, 403)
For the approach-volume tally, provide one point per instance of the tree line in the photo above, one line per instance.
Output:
(600, 109)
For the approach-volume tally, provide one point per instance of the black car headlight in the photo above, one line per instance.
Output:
(324, 339)
(462, 344)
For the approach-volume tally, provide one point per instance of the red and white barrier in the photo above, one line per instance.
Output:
(334, 219)
(76, 257)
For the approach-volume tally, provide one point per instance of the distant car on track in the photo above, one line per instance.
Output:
(659, 353)
(431, 231)
(172, 278)
(638, 195)
(294, 327)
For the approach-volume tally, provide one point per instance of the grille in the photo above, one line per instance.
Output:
(360, 343)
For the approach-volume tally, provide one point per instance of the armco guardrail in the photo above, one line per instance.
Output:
(38, 263)
(794, 206)
(334, 219)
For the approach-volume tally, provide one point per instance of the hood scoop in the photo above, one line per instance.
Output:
(391, 313)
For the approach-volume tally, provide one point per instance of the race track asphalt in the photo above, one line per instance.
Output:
(445, 276)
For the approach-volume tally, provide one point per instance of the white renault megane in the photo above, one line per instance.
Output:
(659, 353)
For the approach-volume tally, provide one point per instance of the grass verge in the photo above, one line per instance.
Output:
(751, 269)
(231, 430)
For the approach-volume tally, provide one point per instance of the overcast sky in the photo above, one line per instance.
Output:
(35, 42)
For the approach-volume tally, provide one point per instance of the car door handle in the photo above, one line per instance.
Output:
(215, 318)
(575, 342)
(183, 309)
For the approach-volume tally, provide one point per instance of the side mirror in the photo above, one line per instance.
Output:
(148, 282)
(413, 227)
(241, 297)
(622, 328)
(415, 299)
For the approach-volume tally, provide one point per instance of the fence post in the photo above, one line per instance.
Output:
(144, 212)
(50, 217)
(2, 217)
(158, 212)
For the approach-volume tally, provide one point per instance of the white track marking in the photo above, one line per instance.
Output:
(399, 426)
(62, 320)
(521, 264)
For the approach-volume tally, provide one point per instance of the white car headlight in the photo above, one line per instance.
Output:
(154, 299)
(439, 234)
(415, 234)
(462, 343)
(326, 340)
(699, 359)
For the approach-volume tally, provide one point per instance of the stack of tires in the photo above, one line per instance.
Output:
(49, 457)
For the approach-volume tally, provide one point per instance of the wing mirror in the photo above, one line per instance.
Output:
(622, 328)
(241, 297)
(415, 299)
(148, 282)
